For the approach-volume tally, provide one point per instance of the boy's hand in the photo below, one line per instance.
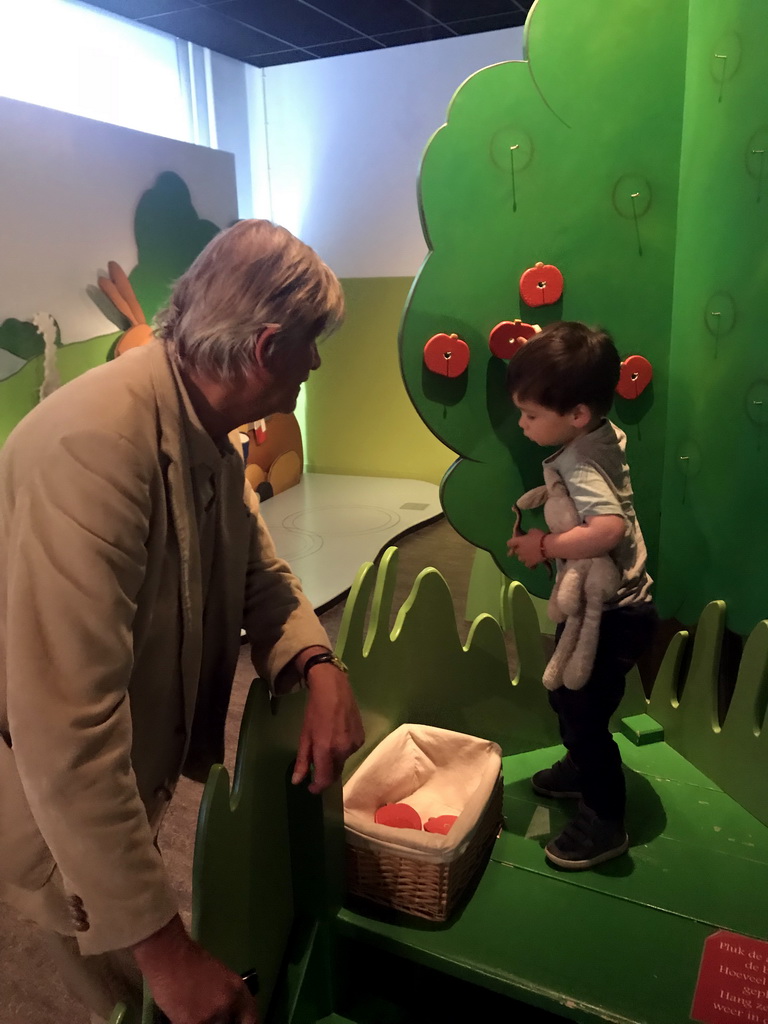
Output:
(527, 547)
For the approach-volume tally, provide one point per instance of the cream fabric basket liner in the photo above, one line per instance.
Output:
(435, 771)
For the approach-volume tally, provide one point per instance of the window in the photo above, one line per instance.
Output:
(64, 55)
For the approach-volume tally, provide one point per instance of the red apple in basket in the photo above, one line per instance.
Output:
(441, 824)
(398, 816)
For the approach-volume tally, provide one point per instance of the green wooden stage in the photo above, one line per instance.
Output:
(622, 942)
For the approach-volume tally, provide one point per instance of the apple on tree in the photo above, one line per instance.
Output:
(508, 336)
(635, 375)
(447, 355)
(541, 285)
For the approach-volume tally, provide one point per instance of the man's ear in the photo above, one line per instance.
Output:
(264, 344)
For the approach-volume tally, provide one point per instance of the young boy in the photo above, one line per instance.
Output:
(563, 381)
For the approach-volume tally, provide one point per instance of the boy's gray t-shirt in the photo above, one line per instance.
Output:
(595, 472)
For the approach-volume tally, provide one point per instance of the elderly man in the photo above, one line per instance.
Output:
(129, 562)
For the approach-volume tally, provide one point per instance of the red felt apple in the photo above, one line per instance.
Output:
(447, 355)
(398, 816)
(541, 285)
(442, 824)
(635, 376)
(508, 336)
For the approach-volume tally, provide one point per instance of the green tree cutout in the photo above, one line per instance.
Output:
(587, 155)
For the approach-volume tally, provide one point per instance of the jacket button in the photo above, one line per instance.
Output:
(78, 914)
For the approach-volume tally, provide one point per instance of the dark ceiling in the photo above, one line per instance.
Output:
(269, 32)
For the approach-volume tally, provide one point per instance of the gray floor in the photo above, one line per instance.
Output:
(30, 993)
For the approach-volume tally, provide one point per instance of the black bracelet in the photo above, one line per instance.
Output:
(320, 659)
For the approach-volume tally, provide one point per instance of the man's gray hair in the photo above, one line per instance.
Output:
(250, 275)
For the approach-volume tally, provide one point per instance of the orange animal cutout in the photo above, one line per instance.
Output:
(275, 454)
(120, 293)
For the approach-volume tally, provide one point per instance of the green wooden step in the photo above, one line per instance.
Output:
(574, 951)
(642, 729)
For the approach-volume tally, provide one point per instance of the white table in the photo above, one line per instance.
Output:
(327, 525)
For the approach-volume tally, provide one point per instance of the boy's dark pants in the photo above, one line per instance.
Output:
(625, 635)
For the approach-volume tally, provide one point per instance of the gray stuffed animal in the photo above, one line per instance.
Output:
(581, 588)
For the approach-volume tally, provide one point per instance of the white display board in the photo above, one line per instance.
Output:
(69, 187)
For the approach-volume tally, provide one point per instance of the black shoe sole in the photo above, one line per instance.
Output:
(565, 794)
(591, 862)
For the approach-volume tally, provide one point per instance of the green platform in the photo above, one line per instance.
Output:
(622, 942)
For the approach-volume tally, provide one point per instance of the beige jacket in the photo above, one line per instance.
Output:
(111, 676)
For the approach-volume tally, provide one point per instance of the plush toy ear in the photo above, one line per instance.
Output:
(557, 488)
(533, 499)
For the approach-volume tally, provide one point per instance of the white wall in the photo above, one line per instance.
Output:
(234, 122)
(345, 141)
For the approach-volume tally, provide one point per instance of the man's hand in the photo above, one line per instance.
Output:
(332, 728)
(188, 984)
(527, 547)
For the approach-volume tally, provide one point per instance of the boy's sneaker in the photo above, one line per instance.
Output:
(587, 841)
(561, 780)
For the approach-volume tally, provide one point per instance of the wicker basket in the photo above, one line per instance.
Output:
(426, 890)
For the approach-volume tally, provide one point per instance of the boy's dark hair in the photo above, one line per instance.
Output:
(566, 365)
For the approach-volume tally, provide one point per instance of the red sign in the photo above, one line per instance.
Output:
(733, 981)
